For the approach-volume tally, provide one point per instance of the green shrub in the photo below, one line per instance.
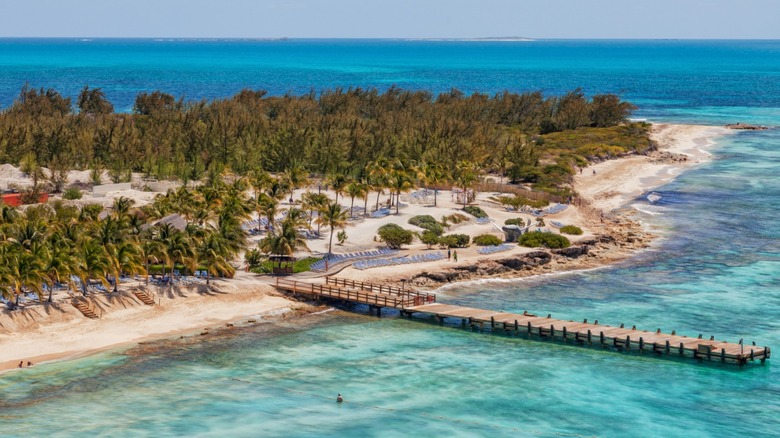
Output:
(302, 265)
(486, 240)
(422, 220)
(429, 238)
(571, 229)
(455, 218)
(395, 236)
(455, 241)
(72, 193)
(520, 222)
(427, 222)
(536, 239)
(388, 227)
(475, 211)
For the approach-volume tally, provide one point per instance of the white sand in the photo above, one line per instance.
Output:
(618, 182)
(59, 331)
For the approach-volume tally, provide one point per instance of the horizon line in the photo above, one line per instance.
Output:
(444, 39)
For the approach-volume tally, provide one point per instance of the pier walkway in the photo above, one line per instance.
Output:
(584, 333)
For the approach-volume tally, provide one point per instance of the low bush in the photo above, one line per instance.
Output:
(395, 236)
(475, 211)
(455, 218)
(427, 222)
(537, 239)
(486, 240)
(571, 229)
(515, 221)
(72, 193)
(455, 241)
(422, 220)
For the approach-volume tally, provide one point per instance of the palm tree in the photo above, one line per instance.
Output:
(153, 251)
(400, 182)
(379, 172)
(95, 263)
(122, 206)
(59, 266)
(213, 254)
(332, 216)
(295, 176)
(129, 260)
(283, 242)
(338, 181)
(179, 250)
(267, 207)
(434, 174)
(465, 177)
(314, 202)
(355, 189)
(25, 270)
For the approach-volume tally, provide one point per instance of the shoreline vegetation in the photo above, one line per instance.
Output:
(598, 169)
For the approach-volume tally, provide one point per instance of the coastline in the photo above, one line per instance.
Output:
(60, 332)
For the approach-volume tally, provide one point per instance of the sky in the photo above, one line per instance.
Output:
(705, 19)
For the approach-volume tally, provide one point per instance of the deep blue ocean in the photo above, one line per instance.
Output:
(716, 272)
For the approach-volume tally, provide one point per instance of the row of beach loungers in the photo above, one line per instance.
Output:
(483, 220)
(495, 249)
(555, 209)
(420, 196)
(382, 212)
(421, 258)
(333, 259)
(556, 224)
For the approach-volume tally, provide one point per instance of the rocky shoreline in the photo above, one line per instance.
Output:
(624, 238)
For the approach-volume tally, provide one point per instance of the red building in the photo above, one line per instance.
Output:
(15, 199)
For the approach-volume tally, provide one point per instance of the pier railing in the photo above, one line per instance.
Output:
(351, 295)
(421, 297)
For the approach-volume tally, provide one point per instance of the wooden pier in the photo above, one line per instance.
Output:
(580, 333)
(376, 297)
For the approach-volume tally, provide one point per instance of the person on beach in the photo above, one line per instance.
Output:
(21, 364)
(455, 256)
(339, 399)
(29, 364)
(594, 171)
(449, 254)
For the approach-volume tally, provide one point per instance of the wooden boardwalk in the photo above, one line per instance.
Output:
(376, 297)
(584, 333)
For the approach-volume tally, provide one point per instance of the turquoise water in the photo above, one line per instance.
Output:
(718, 273)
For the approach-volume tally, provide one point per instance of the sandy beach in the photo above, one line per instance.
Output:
(59, 331)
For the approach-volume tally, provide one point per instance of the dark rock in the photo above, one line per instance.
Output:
(572, 251)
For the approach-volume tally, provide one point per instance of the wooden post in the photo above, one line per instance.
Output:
(492, 323)
(552, 331)
(589, 337)
(517, 328)
(667, 347)
(564, 333)
(641, 344)
(682, 349)
(628, 343)
(529, 328)
(723, 355)
(601, 337)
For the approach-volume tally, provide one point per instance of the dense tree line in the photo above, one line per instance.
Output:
(336, 131)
